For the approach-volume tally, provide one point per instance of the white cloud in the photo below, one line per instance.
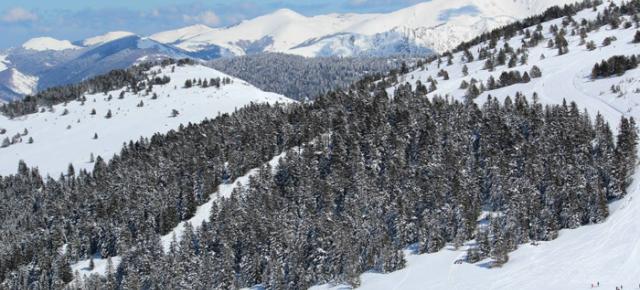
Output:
(19, 14)
(207, 17)
(358, 2)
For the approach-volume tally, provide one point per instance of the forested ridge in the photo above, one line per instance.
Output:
(371, 175)
(394, 172)
(302, 78)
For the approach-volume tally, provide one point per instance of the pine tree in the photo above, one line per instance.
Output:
(625, 153)
(109, 114)
(636, 38)
(535, 72)
(64, 270)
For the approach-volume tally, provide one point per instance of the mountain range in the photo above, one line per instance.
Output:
(498, 165)
(434, 26)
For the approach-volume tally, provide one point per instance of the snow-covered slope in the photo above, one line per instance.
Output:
(19, 82)
(48, 43)
(64, 134)
(609, 252)
(438, 25)
(3, 62)
(107, 37)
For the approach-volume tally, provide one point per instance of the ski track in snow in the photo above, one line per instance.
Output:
(608, 252)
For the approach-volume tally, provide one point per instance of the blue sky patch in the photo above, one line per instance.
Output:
(464, 10)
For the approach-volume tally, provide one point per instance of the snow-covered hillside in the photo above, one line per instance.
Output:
(608, 253)
(107, 37)
(64, 134)
(48, 43)
(438, 25)
(3, 62)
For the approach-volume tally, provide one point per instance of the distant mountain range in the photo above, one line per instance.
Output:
(434, 26)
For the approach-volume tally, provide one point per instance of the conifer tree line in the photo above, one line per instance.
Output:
(615, 65)
(388, 173)
(302, 78)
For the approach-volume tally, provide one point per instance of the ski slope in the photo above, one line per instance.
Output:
(608, 253)
(61, 139)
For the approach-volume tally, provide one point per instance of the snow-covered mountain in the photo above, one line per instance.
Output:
(69, 129)
(107, 37)
(47, 66)
(437, 26)
(48, 43)
(608, 253)
(17, 83)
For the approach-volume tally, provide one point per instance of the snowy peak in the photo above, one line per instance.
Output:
(181, 34)
(107, 37)
(287, 31)
(48, 43)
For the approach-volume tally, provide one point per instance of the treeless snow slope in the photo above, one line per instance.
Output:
(609, 252)
(63, 139)
(107, 37)
(48, 43)
(3, 62)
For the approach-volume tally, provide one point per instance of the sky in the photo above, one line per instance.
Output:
(74, 20)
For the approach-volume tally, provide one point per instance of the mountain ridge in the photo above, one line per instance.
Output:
(421, 29)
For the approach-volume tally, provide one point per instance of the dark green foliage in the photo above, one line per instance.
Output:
(615, 65)
(382, 174)
(303, 78)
